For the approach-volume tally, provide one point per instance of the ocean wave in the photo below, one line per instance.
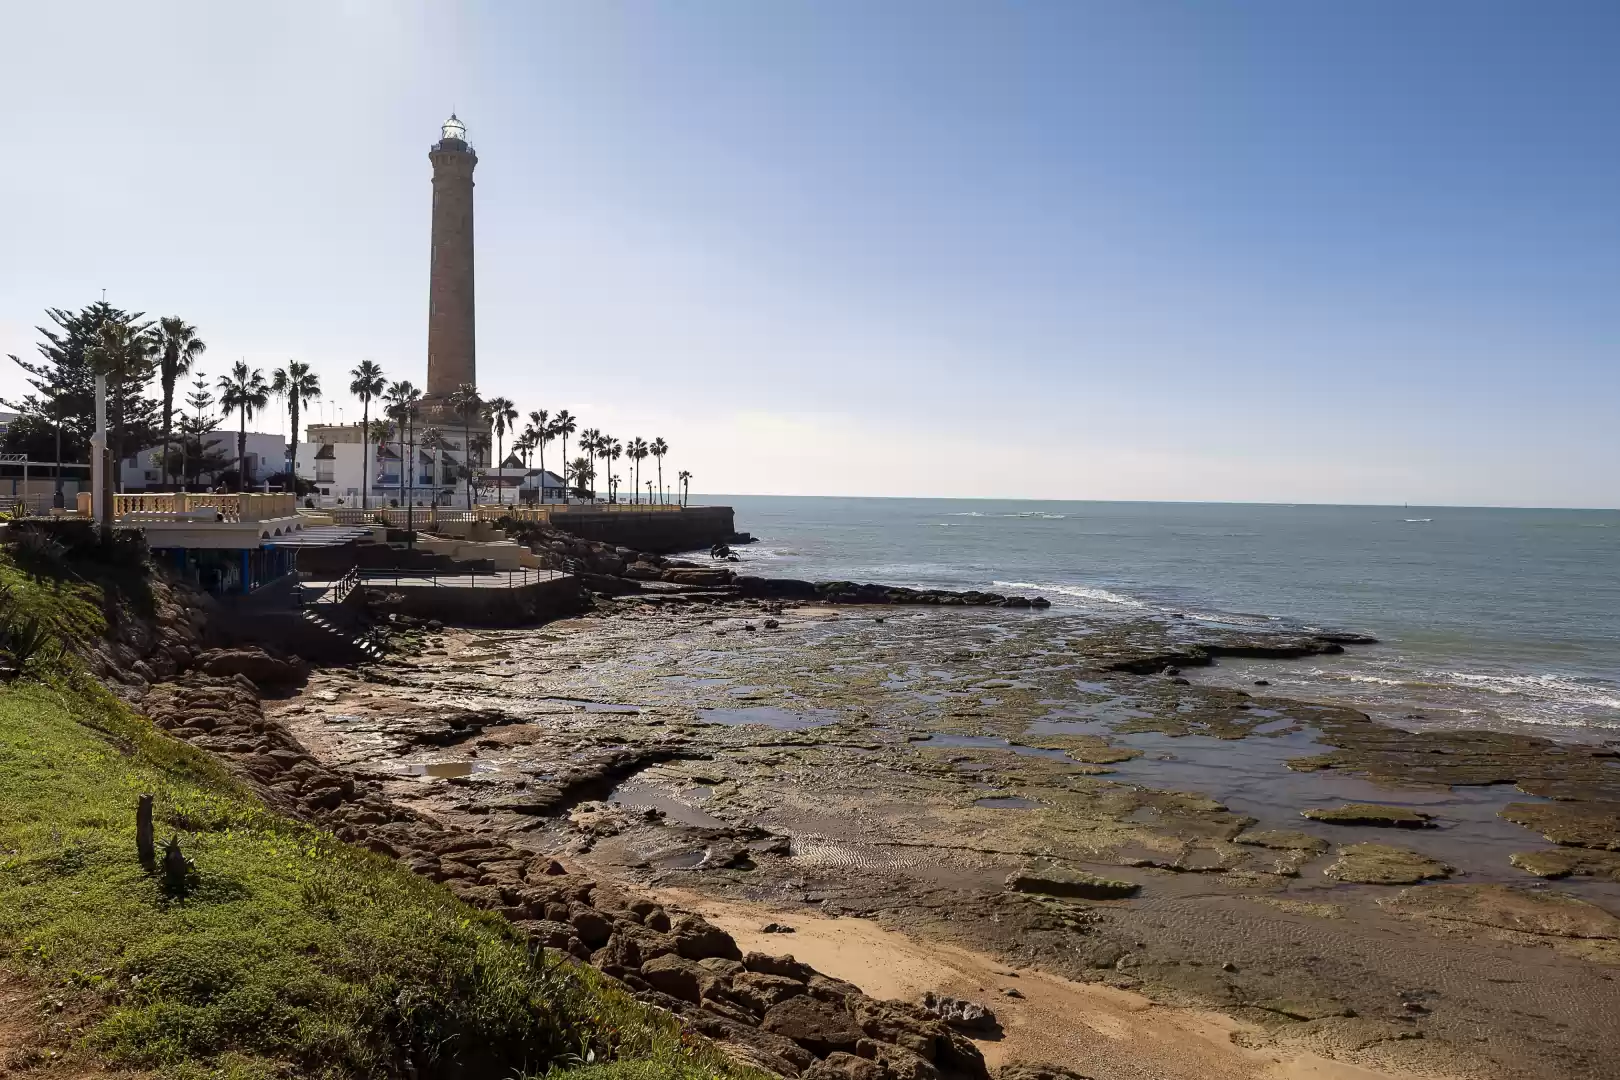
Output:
(1559, 694)
(1564, 688)
(1416, 521)
(1079, 592)
(1040, 514)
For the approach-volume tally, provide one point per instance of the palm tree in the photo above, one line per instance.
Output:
(540, 424)
(523, 450)
(480, 476)
(124, 352)
(615, 452)
(503, 416)
(604, 450)
(404, 402)
(686, 485)
(377, 433)
(181, 346)
(433, 439)
(245, 391)
(366, 382)
(299, 385)
(658, 448)
(464, 400)
(590, 441)
(562, 427)
(583, 471)
(523, 447)
(637, 452)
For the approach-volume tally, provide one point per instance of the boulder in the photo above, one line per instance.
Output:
(677, 976)
(698, 939)
(708, 578)
(785, 966)
(1020, 1070)
(759, 991)
(967, 1015)
(842, 1066)
(253, 663)
(818, 1026)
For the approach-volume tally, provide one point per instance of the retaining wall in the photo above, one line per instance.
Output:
(659, 531)
(521, 605)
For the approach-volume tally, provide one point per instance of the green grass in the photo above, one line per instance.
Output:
(290, 952)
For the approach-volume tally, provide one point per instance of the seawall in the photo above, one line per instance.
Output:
(659, 531)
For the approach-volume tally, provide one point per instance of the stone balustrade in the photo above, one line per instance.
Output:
(189, 506)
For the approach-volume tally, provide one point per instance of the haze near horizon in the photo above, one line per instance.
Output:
(1169, 252)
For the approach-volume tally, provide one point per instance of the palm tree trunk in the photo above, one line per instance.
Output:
(168, 410)
(241, 453)
(113, 428)
(500, 462)
(365, 450)
(292, 448)
(466, 457)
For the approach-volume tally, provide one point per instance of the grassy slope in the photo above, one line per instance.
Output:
(291, 950)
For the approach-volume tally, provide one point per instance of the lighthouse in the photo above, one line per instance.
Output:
(452, 345)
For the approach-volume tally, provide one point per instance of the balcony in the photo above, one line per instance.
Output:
(185, 520)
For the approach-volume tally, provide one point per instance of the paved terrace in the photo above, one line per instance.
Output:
(405, 579)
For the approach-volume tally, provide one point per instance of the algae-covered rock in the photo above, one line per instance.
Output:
(1059, 881)
(1384, 817)
(1282, 840)
(1087, 749)
(1528, 917)
(1577, 824)
(1563, 862)
(1380, 864)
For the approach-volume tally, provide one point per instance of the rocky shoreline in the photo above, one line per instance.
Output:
(608, 747)
(769, 1011)
(612, 571)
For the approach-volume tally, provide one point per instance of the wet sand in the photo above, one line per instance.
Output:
(886, 771)
(1112, 1034)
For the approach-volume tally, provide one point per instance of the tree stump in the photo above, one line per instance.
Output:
(145, 843)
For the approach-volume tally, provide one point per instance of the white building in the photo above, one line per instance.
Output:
(266, 455)
(338, 464)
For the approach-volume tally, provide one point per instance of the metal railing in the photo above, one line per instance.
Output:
(340, 589)
(447, 579)
(426, 517)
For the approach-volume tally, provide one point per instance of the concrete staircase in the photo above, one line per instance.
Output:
(353, 645)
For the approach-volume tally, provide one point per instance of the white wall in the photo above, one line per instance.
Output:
(342, 475)
(266, 455)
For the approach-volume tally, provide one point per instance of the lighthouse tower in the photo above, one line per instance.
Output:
(452, 352)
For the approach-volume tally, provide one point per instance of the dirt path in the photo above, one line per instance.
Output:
(1107, 1033)
(27, 1048)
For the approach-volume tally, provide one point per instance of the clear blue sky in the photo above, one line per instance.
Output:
(1361, 252)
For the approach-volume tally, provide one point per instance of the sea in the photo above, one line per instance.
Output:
(1507, 619)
